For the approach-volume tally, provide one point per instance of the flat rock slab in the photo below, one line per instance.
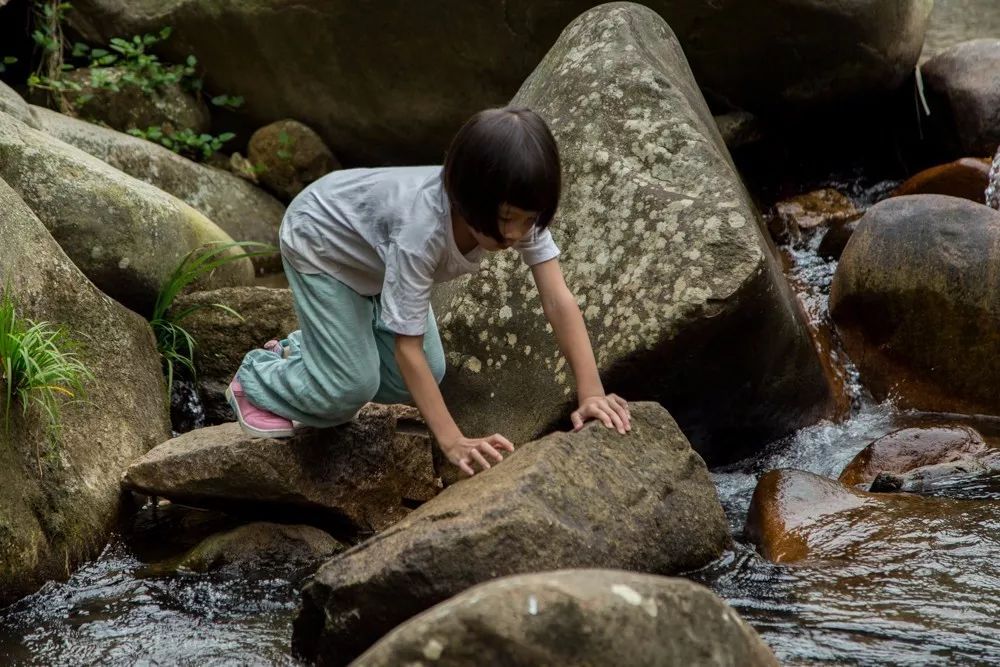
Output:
(576, 617)
(359, 473)
(643, 501)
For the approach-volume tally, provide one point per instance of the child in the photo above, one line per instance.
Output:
(362, 249)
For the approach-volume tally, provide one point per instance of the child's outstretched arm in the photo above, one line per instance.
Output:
(420, 382)
(564, 315)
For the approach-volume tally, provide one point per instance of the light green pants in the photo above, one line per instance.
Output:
(341, 357)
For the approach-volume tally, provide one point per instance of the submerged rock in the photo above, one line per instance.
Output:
(289, 156)
(575, 617)
(685, 301)
(243, 211)
(962, 85)
(914, 300)
(273, 549)
(910, 448)
(355, 476)
(126, 236)
(808, 211)
(642, 501)
(60, 501)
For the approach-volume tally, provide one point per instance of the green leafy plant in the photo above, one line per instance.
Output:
(286, 143)
(39, 367)
(185, 142)
(6, 60)
(175, 344)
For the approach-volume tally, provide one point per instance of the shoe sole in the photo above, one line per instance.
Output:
(250, 430)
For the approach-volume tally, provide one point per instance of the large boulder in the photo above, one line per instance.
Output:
(223, 339)
(244, 212)
(642, 501)
(962, 87)
(684, 299)
(914, 300)
(576, 617)
(780, 54)
(355, 476)
(58, 509)
(125, 235)
(288, 155)
(967, 178)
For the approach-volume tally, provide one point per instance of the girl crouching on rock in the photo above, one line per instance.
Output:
(362, 249)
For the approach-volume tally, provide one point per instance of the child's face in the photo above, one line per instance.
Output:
(514, 224)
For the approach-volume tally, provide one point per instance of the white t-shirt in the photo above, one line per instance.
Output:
(386, 231)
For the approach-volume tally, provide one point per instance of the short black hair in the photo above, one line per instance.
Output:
(506, 155)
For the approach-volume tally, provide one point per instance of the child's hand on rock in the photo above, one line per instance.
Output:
(464, 451)
(612, 410)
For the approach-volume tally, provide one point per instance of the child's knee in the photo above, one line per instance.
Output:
(361, 390)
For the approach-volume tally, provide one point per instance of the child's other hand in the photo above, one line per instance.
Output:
(464, 451)
(612, 410)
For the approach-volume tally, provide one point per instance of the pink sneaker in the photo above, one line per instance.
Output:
(276, 348)
(256, 422)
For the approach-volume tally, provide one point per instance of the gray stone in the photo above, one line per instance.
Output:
(125, 235)
(642, 501)
(355, 476)
(14, 105)
(684, 298)
(576, 617)
(58, 508)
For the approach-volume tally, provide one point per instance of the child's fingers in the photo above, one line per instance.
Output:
(615, 419)
(478, 458)
(466, 468)
(622, 414)
(486, 447)
(577, 420)
(499, 441)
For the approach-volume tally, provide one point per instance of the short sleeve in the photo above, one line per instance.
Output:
(406, 292)
(537, 247)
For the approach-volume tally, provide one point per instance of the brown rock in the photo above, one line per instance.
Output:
(288, 156)
(836, 238)
(914, 300)
(576, 617)
(813, 209)
(909, 448)
(643, 501)
(358, 473)
(966, 178)
(796, 515)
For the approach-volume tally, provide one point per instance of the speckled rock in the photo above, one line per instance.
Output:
(750, 55)
(14, 105)
(224, 339)
(684, 299)
(290, 156)
(962, 87)
(271, 549)
(914, 301)
(355, 476)
(243, 211)
(642, 502)
(171, 107)
(125, 235)
(57, 509)
(586, 618)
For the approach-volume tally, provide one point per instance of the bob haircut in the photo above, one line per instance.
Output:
(505, 155)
